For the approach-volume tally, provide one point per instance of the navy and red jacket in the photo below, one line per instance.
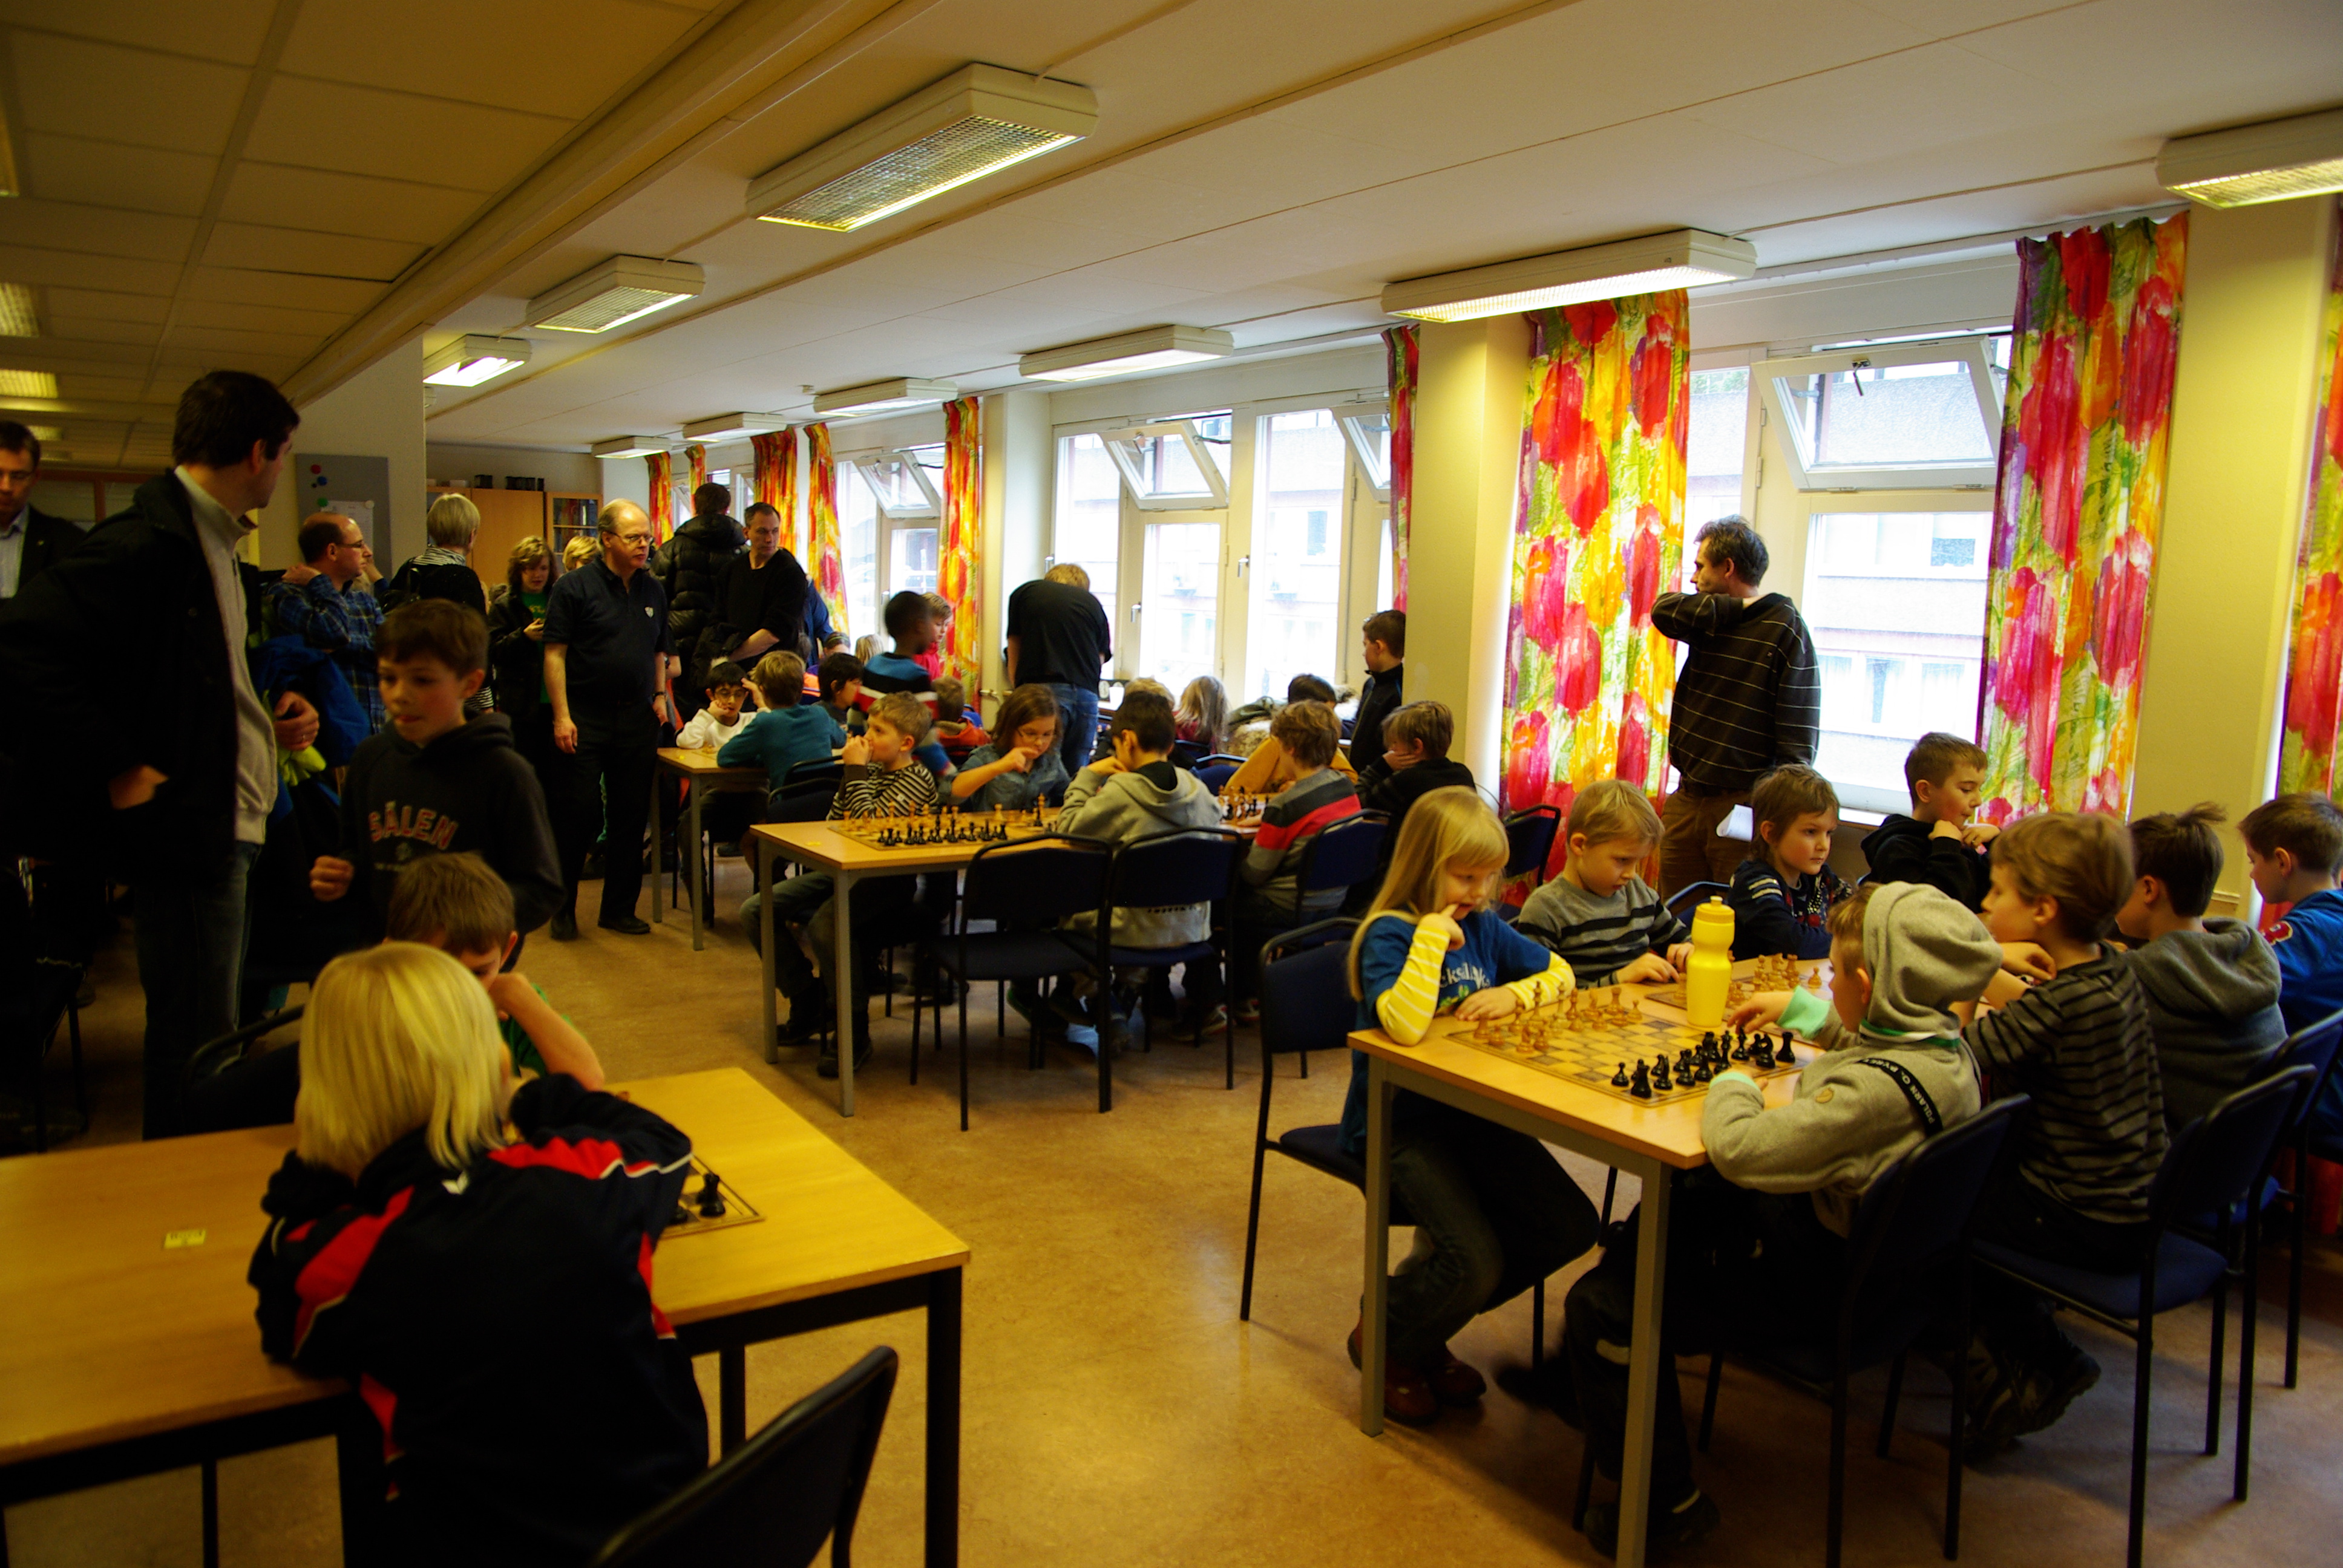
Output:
(498, 1322)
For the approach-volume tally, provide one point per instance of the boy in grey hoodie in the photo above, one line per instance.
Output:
(1893, 1071)
(2212, 986)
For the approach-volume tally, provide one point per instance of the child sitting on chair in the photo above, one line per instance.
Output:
(839, 680)
(1019, 768)
(1313, 797)
(2294, 846)
(725, 715)
(788, 732)
(1893, 1072)
(1600, 915)
(960, 730)
(1937, 844)
(1783, 894)
(408, 1238)
(1495, 1213)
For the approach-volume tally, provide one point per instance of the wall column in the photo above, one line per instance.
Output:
(377, 413)
(1468, 433)
(2214, 677)
(1018, 456)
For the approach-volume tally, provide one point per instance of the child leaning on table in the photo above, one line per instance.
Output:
(1783, 894)
(1494, 1213)
(407, 1239)
(722, 719)
(1893, 1071)
(1599, 914)
(1019, 767)
(788, 732)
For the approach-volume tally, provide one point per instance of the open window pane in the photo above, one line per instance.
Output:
(1896, 602)
(1178, 465)
(1901, 416)
(1089, 516)
(1370, 433)
(1714, 445)
(858, 545)
(899, 484)
(1384, 564)
(910, 560)
(1177, 640)
(1296, 574)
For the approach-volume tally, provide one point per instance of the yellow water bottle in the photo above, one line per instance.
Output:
(1708, 977)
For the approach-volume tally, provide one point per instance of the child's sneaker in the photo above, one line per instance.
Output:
(2043, 1396)
(1249, 1011)
(1681, 1526)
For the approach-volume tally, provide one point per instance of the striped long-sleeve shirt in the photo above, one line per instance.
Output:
(1749, 697)
(1303, 807)
(873, 790)
(1599, 936)
(2080, 1045)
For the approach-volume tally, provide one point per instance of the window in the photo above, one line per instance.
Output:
(1178, 638)
(901, 484)
(858, 545)
(1175, 465)
(1896, 602)
(1714, 445)
(1917, 416)
(1296, 570)
(1368, 425)
(1089, 531)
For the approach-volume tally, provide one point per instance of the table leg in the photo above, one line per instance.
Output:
(1376, 1287)
(658, 860)
(943, 1418)
(841, 985)
(358, 1465)
(766, 857)
(210, 1469)
(731, 1399)
(1646, 1366)
(691, 875)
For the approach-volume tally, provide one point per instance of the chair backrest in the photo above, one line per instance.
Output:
(1343, 854)
(1529, 839)
(2219, 1158)
(1037, 880)
(827, 770)
(2314, 1047)
(807, 802)
(1692, 893)
(773, 1501)
(1919, 1207)
(1187, 753)
(1218, 757)
(1193, 866)
(1305, 989)
(212, 1055)
(1214, 775)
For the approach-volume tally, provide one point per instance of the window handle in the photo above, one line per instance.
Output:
(1244, 565)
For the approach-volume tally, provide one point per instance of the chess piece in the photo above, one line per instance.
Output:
(1641, 1085)
(1740, 1050)
(682, 1216)
(711, 1199)
(1702, 1073)
(1762, 1054)
(1683, 1064)
(1659, 1078)
(1619, 1078)
(1784, 1054)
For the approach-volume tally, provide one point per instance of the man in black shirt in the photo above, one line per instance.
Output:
(1057, 636)
(606, 644)
(689, 567)
(761, 604)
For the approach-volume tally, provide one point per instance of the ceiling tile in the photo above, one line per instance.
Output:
(95, 90)
(300, 250)
(110, 174)
(35, 265)
(346, 204)
(92, 305)
(261, 317)
(397, 136)
(96, 230)
(229, 30)
(237, 286)
(227, 340)
(71, 332)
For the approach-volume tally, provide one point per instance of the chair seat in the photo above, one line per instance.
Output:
(2186, 1271)
(1321, 1149)
(1878, 1339)
(1157, 958)
(1008, 955)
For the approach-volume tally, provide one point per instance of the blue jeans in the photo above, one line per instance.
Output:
(191, 935)
(1078, 731)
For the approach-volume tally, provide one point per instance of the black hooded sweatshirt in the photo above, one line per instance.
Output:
(468, 790)
(1901, 849)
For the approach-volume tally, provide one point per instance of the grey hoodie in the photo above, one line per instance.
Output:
(1119, 807)
(2212, 1001)
(1847, 1123)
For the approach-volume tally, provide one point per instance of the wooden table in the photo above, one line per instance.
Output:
(1649, 1142)
(125, 1355)
(702, 776)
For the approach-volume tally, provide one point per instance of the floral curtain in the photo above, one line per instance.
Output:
(2079, 501)
(828, 568)
(2314, 681)
(777, 480)
(958, 550)
(1399, 353)
(662, 468)
(696, 455)
(1598, 530)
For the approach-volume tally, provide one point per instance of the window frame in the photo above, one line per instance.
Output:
(1208, 467)
(1971, 350)
(1348, 416)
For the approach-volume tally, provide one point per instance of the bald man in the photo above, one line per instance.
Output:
(606, 673)
(327, 601)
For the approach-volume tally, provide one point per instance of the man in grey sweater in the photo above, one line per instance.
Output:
(1892, 1070)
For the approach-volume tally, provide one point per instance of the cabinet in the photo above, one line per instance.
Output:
(508, 517)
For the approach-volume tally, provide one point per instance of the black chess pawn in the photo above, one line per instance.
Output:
(682, 1216)
(1740, 1052)
(1659, 1078)
(1641, 1085)
(1708, 1042)
(1683, 1063)
(711, 1199)
(1761, 1054)
(1702, 1072)
(1619, 1078)
(1784, 1054)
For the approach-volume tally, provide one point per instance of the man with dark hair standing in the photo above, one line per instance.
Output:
(327, 602)
(760, 602)
(689, 569)
(180, 798)
(1748, 699)
(30, 539)
(606, 647)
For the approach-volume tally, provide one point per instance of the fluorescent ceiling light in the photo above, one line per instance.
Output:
(1149, 350)
(2297, 157)
(472, 359)
(622, 289)
(881, 397)
(1681, 258)
(975, 122)
(17, 315)
(731, 427)
(45, 432)
(28, 384)
(630, 447)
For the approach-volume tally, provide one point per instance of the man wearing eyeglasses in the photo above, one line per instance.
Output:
(606, 673)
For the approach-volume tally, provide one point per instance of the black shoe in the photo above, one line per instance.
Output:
(2043, 1398)
(827, 1066)
(1549, 1384)
(625, 925)
(1671, 1527)
(565, 925)
(805, 1021)
(591, 872)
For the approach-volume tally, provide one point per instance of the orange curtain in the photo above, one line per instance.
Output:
(1399, 351)
(696, 455)
(828, 568)
(777, 480)
(959, 556)
(2314, 677)
(662, 468)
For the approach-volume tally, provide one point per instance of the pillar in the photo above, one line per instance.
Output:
(1019, 456)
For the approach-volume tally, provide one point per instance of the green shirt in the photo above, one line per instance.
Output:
(518, 1044)
(535, 603)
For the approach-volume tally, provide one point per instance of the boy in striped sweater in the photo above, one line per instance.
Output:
(2088, 1147)
(1315, 797)
(1599, 915)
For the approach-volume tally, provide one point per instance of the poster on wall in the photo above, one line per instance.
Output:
(357, 487)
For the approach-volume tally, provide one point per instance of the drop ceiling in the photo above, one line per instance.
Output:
(1261, 166)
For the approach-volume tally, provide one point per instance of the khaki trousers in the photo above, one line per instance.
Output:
(1689, 850)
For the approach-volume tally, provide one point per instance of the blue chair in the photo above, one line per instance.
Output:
(1683, 900)
(1193, 866)
(2214, 1160)
(1337, 858)
(1906, 1250)
(1035, 884)
(2315, 1048)
(1528, 843)
(1188, 753)
(1214, 772)
(773, 1501)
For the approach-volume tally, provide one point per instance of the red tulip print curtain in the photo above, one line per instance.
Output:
(1598, 528)
(1399, 353)
(777, 480)
(662, 468)
(959, 553)
(2078, 507)
(2314, 680)
(696, 455)
(828, 568)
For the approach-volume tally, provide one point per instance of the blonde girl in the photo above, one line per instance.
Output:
(1203, 714)
(1494, 1213)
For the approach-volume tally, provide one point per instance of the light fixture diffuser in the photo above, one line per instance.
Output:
(2270, 162)
(473, 358)
(731, 427)
(1681, 258)
(17, 317)
(884, 396)
(1150, 349)
(977, 121)
(622, 289)
(28, 384)
(630, 447)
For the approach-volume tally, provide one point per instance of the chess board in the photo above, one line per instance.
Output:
(1751, 976)
(688, 1221)
(1588, 1045)
(945, 829)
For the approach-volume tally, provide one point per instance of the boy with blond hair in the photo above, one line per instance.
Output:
(1937, 844)
(2294, 848)
(1600, 915)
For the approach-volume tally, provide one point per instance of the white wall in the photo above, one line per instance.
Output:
(377, 413)
(454, 464)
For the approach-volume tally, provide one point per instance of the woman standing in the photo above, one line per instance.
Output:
(444, 570)
(516, 652)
